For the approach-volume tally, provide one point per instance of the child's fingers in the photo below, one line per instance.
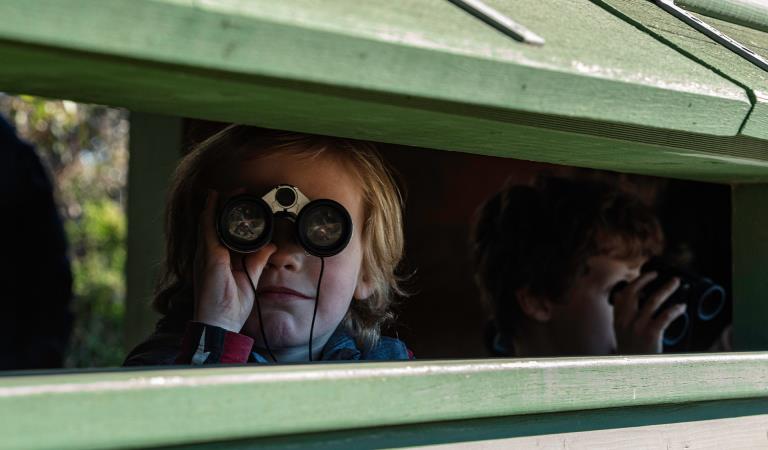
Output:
(255, 262)
(656, 299)
(624, 309)
(638, 284)
(626, 301)
(659, 324)
(215, 252)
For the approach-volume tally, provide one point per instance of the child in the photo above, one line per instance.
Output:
(273, 304)
(548, 258)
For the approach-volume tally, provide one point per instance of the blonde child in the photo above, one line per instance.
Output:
(279, 302)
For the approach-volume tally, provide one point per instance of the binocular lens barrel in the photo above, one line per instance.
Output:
(245, 222)
(324, 228)
(711, 302)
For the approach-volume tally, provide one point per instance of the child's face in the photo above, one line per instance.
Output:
(583, 322)
(288, 284)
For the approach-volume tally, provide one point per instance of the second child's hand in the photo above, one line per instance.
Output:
(223, 294)
(637, 330)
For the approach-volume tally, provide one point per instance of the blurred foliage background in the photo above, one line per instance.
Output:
(85, 149)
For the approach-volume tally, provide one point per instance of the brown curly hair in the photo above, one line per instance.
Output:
(539, 237)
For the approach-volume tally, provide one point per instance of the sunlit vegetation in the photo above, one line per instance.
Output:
(85, 149)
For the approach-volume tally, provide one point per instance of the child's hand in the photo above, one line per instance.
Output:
(637, 331)
(223, 295)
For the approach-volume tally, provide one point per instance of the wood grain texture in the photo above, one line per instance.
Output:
(480, 431)
(750, 13)
(709, 53)
(421, 49)
(743, 432)
(405, 120)
(100, 410)
(453, 85)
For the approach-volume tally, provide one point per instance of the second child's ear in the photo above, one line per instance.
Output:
(364, 288)
(534, 306)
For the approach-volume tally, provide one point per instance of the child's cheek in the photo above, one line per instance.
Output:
(343, 270)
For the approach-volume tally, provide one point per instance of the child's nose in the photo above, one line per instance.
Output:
(289, 253)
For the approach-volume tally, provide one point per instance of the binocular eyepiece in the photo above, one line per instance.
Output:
(704, 298)
(245, 222)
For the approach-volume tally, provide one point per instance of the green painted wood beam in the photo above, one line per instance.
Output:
(419, 48)
(155, 146)
(479, 432)
(401, 120)
(750, 13)
(696, 46)
(178, 406)
(750, 258)
(377, 67)
(757, 122)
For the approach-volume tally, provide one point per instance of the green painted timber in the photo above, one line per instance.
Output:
(478, 432)
(750, 253)
(709, 53)
(750, 13)
(155, 146)
(421, 73)
(757, 41)
(403, 120)
(419, 48)
(180, 406)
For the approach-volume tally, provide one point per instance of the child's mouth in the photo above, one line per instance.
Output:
(281, 293)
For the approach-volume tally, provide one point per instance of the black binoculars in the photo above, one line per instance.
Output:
(245, 222)
(704, 298)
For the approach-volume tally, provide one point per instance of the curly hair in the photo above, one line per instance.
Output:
(382, 232)
(539, 237)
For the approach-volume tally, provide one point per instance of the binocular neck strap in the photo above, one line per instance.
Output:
(258, 310)
(261, 320)
(317, 300)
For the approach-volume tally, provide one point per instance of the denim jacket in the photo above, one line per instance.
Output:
(342, 347)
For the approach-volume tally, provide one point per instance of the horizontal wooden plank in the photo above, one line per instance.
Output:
(99, 410)
(743, 432)
(405, 120)
(750, 13)
(709, 53)
(479, 432)
(420, 90)
(404, 49)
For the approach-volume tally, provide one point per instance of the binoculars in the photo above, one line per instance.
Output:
(704, 298)
(245, 222)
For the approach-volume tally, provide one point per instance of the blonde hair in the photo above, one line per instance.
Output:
(382, 232)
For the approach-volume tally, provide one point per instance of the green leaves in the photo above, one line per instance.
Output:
(85, 150)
